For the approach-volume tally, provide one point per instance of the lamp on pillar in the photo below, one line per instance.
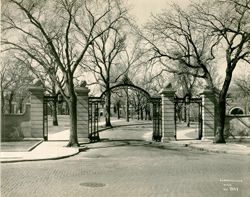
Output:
(59, 97)
(187, 98)
(187, 109)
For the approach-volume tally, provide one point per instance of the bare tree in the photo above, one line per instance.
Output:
(182, 47)
(229, 21)
(193, 39)
(104, 52)
(15, 78)
(133, 58)
(241, 90)
(64, 29)
(113, 55)
(244, 85)
(186, 85)
(46, 79)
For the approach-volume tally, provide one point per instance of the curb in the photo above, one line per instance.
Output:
(212, 149)
(217, 151)
(34, 146)
(80, 149)
(40, 159)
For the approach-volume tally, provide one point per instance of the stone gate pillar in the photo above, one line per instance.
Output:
(82, 112)
(36, 109)
(168, 113)
(208, 114)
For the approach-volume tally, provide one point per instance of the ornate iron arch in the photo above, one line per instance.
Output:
(127, 85)
(126, 82)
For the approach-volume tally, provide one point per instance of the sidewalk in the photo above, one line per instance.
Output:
(209, 146)
(56, 150)
(50, 150)
(44, 151)
(185, 139)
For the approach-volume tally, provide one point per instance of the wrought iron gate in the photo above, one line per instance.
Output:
(46, 101)
(183, 106)
(93, 120)
(47, 110)
(157, 119)
(95, 102)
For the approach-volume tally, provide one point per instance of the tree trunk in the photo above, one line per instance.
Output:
(118, 111)
(2, 102)
(67, 109)
(10, 102)
(179, 113)
(73, 141)
(54, 105)
(72, 102)
(220, 119)
(54, 113)
(108, 105)
(188, 115)
(141, 113)
(219, 134)
(21, 105)
(149, 112)
(185, 112)
(127, 106)
(138, 113)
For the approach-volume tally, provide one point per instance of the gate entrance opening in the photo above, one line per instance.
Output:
(56, 122)
(126, 101)
(188, 118)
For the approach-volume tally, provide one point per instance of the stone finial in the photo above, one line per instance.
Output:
(83, 84)
(168, 89)
(82, 89)
(208, 90)
(37, 82)
(168, 86)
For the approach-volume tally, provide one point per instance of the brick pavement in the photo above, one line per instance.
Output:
(130, 168)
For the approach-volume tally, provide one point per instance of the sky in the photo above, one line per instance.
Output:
(142, 9)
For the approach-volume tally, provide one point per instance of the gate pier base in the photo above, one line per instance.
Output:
(82, 114)
(36, 111)
(208, 115)
(168, 114)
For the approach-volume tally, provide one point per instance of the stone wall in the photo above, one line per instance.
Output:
(16, 126)
(237, 126)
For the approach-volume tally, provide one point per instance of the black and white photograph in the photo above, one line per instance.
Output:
(125, 98)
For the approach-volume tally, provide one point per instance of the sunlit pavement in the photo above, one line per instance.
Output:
(183, 132)
(62, 135)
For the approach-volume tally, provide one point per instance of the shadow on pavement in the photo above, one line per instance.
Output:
(108, 143)
(104, 128)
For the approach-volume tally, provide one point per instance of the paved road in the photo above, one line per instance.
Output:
(132, 167)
